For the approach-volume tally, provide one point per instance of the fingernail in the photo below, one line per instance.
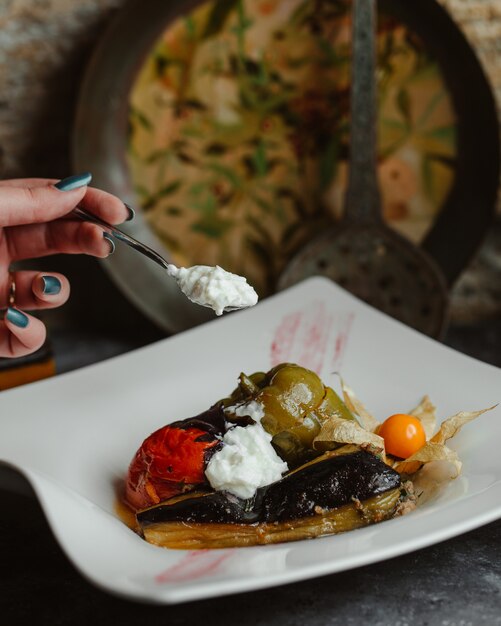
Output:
(18, 318)
(74, 182)
(132, 213)
(109, 239)
(51, 285)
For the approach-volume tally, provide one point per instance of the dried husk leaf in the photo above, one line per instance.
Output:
(338, 430)
(428, 453)
(452, 425)
(367, 420)
(426, 413)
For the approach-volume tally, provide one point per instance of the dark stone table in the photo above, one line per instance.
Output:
(455, 583)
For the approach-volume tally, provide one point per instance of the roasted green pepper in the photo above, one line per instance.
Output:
(295, 404)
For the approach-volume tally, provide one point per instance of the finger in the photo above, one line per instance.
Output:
(106, 206)
(28, 205)
(36, 290)
(20, 334)
(103, 204)
(48, 290)
(59, 237)
(28, 182)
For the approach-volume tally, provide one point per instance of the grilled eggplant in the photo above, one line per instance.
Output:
(334, 493)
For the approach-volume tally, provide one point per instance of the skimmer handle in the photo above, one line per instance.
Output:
(363, 200)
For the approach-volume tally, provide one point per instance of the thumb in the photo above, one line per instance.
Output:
(29, 205)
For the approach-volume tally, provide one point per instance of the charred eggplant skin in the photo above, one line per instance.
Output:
(328, 483)
(212, 421)
(186, 536)
(202, 508)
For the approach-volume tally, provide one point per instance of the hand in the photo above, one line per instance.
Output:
(34, 223)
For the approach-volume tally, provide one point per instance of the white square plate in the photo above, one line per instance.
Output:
(73, 437)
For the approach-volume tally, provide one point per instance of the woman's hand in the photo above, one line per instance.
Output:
(34, 223)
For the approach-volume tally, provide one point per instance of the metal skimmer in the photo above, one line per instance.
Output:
(361, 253)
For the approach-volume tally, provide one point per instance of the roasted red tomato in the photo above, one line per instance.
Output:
(171, 461)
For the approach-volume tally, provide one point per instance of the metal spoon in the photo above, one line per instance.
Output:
(361, 253)
(212, 287)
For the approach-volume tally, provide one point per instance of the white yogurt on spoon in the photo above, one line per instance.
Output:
(214, 287)
(208, 286)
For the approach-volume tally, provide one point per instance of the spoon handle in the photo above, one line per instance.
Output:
(121, 236)
(362, 200)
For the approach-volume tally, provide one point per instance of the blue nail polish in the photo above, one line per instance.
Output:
(16, 317)
(109, 239)
(132, 213)
(51, 285)
(74, 182)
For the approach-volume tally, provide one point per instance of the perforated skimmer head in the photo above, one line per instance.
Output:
(380, 267)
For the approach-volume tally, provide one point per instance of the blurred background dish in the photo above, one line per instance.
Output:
(227, 122)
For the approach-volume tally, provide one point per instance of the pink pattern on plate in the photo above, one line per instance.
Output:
(196, 564)
(343, 332)
(314, 338)
(283, 341)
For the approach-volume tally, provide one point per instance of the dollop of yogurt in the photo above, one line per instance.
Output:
(252, 409)
(214, 287)
(246, 461)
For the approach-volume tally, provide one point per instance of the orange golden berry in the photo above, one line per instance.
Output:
(403, 435)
